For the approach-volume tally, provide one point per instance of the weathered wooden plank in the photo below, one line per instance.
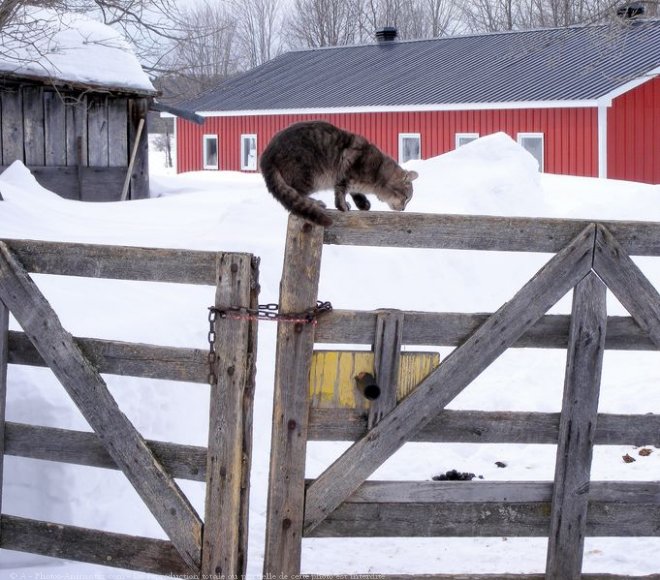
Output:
(627, 282)
(248, 420)
(118, 132)
(33, 126)
(472, 577)
(92, 546)
(138, 109)
(387, 357)
(453, 329)
(85, 448)
(568, 519)
(1, 161)
(462, 232)
(12, 126)
(97, 130)
(628, 492)
(76, 132)
(101, 183)
(295, 342)
(116, 262)
(477, 519)
(460, 368)
(229, 459)
(90, 393)
(489, 427)
(124, 358)
(55, 129)
(4, 350)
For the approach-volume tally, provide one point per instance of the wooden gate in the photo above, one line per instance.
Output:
(589, 258)
(216, 547)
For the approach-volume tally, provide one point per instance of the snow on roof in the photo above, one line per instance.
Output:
(71, 48)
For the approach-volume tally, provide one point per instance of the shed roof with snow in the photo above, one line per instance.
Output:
(70, 49)
(575, 64)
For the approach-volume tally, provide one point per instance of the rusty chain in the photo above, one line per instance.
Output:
(268, 312)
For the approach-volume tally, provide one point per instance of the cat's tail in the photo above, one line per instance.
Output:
(296, 202)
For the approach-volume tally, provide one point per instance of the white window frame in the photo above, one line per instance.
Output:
(205, 139)
(459, 136)
(521, 136)
(249, 164)
(402, 138)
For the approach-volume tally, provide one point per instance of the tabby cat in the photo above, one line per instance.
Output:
(313, 156)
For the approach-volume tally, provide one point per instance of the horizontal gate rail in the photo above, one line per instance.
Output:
(91, 546)
(488, 233)
(453, 329)
(85, 448)
(490, 427)
(478, 519)
(124, 358)
(116, 262)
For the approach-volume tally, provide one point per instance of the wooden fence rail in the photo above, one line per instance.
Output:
(590, 257)
(151, 466)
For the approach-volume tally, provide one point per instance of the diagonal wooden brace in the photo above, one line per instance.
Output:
(627, 283)
(91, 395)
(458, 370)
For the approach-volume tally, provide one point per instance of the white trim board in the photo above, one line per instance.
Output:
(408, 108)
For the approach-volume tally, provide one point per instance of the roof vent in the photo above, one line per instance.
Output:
(631, 10)
(386, 34)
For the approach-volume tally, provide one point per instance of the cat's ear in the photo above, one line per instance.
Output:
(412, 175)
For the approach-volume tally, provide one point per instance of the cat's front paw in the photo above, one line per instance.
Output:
(361, 201)
(341, 204)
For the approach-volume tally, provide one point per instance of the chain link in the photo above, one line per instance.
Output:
(268, 312)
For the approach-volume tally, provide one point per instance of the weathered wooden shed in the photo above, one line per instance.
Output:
(76, 115)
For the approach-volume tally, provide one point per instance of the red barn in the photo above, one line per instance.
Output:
(584, 100)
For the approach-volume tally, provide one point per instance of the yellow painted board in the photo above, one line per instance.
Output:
(333, 372)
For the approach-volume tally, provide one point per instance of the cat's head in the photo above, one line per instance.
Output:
(399, 189)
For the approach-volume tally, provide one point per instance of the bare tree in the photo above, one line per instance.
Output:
(204, 54)
(489, 15)
(426, 18)
(316, 23)
(259, 30)
(497, 15)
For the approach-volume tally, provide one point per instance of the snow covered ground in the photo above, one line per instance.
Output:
(231, 211)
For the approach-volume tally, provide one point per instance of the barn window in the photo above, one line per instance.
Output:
(210, 152)
(410, 147)
(533, 143)
(249, 152)
(465, 138)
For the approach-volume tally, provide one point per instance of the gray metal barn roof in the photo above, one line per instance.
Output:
(558, 64)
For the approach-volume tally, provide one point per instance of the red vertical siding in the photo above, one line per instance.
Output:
(633, 130)
(570, 135)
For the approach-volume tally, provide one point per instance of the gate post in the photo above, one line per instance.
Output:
(295, 343)
(225, 536)
(577, 428)
(4, 355)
